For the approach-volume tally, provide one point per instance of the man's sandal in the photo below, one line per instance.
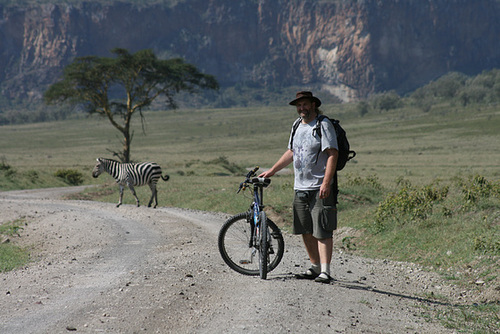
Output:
(323, 278)
(309, 274)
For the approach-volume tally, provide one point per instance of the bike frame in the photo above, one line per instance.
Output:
(254, 212)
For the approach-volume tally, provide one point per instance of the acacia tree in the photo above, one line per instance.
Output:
(118, 88)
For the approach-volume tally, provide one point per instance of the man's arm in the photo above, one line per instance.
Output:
(284, 161)
(331, 167)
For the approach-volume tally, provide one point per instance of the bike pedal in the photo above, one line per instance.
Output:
(245, 261)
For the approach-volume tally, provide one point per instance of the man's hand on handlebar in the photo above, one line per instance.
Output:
(268, 173)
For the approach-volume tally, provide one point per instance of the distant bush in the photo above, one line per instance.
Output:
(70, 176)
(458, 87)
(386, 101)
(6, 168)
(226, 164)
(4, 165)
(472, 94)
(371, 181)
(448, 85)
(28, 113)
(363, 108)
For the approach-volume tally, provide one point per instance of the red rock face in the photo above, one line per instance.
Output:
(353, 48)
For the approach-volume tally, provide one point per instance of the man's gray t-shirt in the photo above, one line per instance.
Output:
(310, 168)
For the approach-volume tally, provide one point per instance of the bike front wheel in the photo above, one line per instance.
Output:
(240, 254)
(263, 238)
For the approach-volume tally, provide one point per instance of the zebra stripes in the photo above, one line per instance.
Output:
(131, 174)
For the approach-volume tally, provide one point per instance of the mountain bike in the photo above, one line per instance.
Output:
(249, 242)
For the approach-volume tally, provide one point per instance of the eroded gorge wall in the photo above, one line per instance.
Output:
(352, 48)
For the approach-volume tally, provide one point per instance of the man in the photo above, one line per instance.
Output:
(314, 160)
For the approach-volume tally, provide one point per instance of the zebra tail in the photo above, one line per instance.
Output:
(165, 178)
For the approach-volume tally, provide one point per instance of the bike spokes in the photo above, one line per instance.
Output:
(234, 239)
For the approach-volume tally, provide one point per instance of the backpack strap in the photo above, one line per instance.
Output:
(317, 129)
(295, 126)
(335, 187)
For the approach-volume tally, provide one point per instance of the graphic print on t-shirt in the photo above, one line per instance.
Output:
(305, 151)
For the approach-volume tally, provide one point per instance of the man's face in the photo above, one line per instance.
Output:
(305, 108)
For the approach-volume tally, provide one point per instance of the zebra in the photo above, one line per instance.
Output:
(131, 174)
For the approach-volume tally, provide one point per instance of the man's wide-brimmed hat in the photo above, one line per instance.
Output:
(306, 95)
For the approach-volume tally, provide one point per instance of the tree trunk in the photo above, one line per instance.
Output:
(126, 146)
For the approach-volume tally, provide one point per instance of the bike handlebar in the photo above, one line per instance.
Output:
(244, 184)
(252, 172)
(250, 179)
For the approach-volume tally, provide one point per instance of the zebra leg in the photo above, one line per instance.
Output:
(156, 198)
(154, 194)
(133, 193)
(121, 196)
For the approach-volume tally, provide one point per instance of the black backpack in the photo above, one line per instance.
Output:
(345, 153)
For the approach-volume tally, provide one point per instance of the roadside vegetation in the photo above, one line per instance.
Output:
(424, 186)
(11, 255)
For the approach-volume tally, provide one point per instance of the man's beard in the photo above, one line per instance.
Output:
(307, 114)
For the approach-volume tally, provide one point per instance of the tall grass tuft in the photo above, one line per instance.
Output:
(11, 256)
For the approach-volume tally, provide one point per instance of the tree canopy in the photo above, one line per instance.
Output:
(120, 87)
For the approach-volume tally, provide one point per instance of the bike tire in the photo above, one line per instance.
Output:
(262, 236)
(236, 251)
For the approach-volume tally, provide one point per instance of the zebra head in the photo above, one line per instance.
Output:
(98, 168)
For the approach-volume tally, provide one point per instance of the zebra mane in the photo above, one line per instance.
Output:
(112, 160)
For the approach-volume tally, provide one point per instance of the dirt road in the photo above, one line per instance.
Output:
(102, 269)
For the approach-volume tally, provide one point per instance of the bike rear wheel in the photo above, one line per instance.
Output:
(237, 251)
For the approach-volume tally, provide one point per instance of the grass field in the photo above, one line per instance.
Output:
(424, 187)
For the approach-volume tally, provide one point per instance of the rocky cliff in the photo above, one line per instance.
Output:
(349, 47)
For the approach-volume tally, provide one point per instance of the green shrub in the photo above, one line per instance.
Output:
(410, 203)
(10, 172)
(70, 176)
(488, 245)
(4, 165)
(32, 175)
(6, 168)
(477, 189)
